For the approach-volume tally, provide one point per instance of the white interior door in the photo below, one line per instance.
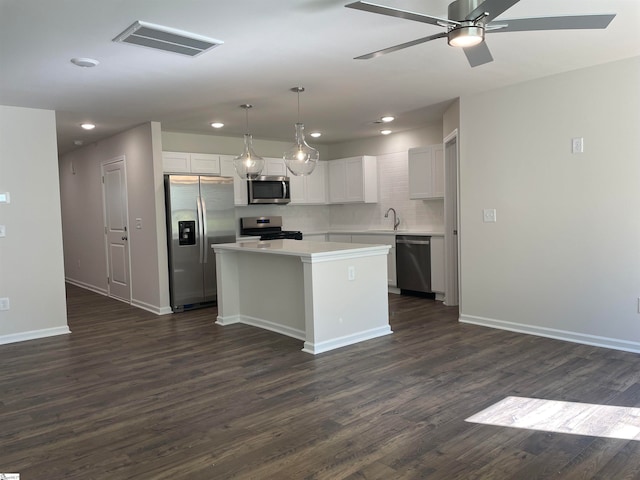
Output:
(451, 233)
(116, 228)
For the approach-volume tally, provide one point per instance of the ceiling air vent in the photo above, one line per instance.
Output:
(167, 39)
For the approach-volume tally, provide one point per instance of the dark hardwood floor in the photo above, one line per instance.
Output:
(130, 395)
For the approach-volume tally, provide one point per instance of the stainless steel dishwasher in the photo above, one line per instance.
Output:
(413, 263)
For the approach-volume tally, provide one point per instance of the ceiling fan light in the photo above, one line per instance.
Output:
(466, 36)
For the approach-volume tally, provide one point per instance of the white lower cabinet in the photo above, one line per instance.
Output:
(185, 162)
(227, 169)
(353, 180)
(437, 264)
(315, 237)
(310, 189)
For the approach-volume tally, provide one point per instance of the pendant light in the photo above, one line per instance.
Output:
(301, 159)
(248, 164)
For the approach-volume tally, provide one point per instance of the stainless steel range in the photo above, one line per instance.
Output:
(268, 228)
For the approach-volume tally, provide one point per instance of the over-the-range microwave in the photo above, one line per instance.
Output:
(269, 189)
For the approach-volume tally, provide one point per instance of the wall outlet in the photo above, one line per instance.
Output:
(5, 197)
(577, 145)
(4, 303)
(489, 215)
(351, 273)
(3, 231)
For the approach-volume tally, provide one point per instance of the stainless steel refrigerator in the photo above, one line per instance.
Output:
(200, 212)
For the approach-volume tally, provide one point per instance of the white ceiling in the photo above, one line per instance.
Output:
(271, 46)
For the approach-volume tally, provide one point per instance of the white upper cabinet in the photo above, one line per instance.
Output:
(274, 166)
(426, 172)
(176, 162)
(353, 180)
(227, 169)
(185, 162)
(310, 189)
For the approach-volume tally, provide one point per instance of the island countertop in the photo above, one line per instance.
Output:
(327, 294)
(305, 249)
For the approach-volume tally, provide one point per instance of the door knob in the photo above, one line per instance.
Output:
(124, 238)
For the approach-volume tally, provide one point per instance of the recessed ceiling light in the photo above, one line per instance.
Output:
(88, 126)
(217, 124)
(85, 62)
(78, 142)
(315, 134)
(388, 119)
(385, 132)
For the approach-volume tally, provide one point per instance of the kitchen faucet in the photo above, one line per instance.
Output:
(396, 219)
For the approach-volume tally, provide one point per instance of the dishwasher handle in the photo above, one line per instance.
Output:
(412, 242)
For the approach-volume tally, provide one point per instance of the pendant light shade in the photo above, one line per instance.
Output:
(301, 159)
(248, 164)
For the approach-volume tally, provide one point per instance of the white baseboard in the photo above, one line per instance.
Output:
(320, 347)
(228, 320)
(134, 303)
(86, 286)
(575, 337)
(33, 334)
(271, 326)
(151, 308)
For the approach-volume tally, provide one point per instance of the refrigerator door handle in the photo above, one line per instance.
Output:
(199, 208)
(205, 250)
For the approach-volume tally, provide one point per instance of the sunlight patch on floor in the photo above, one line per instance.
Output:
(563, 417)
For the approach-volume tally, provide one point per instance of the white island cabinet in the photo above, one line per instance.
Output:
(327, 294)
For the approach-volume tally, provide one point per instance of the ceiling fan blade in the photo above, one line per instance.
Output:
(401, 46)
(478, 54)
(395, 12)
(568, 22)
(492, 7)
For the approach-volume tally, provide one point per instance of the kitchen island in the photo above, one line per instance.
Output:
(327, 294)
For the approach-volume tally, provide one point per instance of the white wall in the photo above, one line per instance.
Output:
(31, 272)
(83, 221)
(429, 134)
(563, 258)
(198, 143)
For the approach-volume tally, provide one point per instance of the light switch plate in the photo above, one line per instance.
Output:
(5, 197)
(4, 303)
(489, 215)
(3, 231)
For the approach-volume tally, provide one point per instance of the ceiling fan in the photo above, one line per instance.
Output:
(469, 20)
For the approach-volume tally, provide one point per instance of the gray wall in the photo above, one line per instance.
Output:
(83, 220)
(563, 258)
(31, 271)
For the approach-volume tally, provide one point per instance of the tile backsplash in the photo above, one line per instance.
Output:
(393, 191)
(393, 184)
